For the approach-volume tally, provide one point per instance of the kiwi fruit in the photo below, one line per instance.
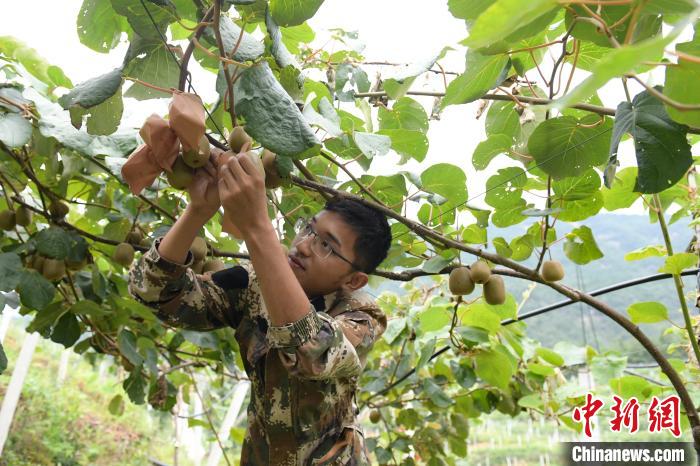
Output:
(199, 248)
(213, 265)
(145, 242)
(198, 267)
(375, 416)
(77, 265)
(196, 158)
(461, 282)
(23, 216)
(495, 290)
(123, 254)
(58, 209)
(237, 139)
(53, 269)
(552, 271)
(181, 175)
(8, 220)
(273, 179)
(38, 262)
(480, 272)
(134, 237)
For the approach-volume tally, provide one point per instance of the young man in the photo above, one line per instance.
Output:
(303, 324)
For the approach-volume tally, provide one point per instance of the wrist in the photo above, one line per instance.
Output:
(196, 214)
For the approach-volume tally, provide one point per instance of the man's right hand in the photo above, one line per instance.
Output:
(204, 193)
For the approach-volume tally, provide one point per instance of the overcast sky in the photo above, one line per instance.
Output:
(392, 30)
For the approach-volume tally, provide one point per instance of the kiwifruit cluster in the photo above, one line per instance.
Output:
(51, 269)
(58, 209)
(10, 218)
(463, 281)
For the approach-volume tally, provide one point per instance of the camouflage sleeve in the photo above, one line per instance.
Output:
(338, 349)
(179, 296)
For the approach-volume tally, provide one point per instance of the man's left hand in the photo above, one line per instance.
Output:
(242, 193)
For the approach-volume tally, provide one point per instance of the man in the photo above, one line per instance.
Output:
(303, 325)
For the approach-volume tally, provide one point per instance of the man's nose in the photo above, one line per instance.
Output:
(304, 246)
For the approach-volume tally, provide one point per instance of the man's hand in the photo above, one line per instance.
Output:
(242, 193)
(204, 192)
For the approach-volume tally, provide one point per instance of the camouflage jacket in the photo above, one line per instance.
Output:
(303, 375)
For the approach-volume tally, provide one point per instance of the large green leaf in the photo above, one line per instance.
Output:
(505, 15)
(494, 367)
(135, 386)
(502, 118)
(137, 14)
(580, 246)
(486, 150)
(408, 143)
(66, 331)
(127, 346)
(647, 312)
(94, 91)
(10, 269)
(447, 180)
(249, 47)
(405, 113)
(483, 73)
(566, 146)
(35, 291)
(99, 27)
(272, 118)
(293, 12)
(15, 130)
(397, 84)
(291, 77)
(617, 17)
(372, 144)
(621, 195)
(155, 65)
(662, 150)
(678, 262)
(54, 242)
(468, 9)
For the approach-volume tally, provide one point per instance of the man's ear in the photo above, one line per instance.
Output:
(356, 281)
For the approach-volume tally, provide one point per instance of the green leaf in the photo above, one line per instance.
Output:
(617, 15)
(647, 312)
(279, 51)
(135, 386)
(95, 91)
(435, 264)
(54, 242)
(127, 346)
(249, 47)
(436, 395)
(620, 61)
(409, 143)
(645, 252)
(483, 73)
(474, 234)
(468, 9)
(502, 118)
(46, 318)
(99, 27)
(550, 356)
(293, 12)
(405, 113)
(505, 15)
(629, 386)
(564, 147)
(330, 125)
(494, 368)
(372, 144)
(15, 130)
(141, 17)
(678, 86)
(486, 150)
(447, 180)
(66, 331)
(35, 291)
(10, 270)
(621, 195)
(662, 150)
(540, 369)
(434, 318)
(481, 317)
(272, 118)
(580, 246)
(677, 263)
(154, 65)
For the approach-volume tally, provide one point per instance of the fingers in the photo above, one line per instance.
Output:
(226, 177)
(236, 169)
(210, 169)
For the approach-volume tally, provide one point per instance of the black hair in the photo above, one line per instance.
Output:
(372, 228)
